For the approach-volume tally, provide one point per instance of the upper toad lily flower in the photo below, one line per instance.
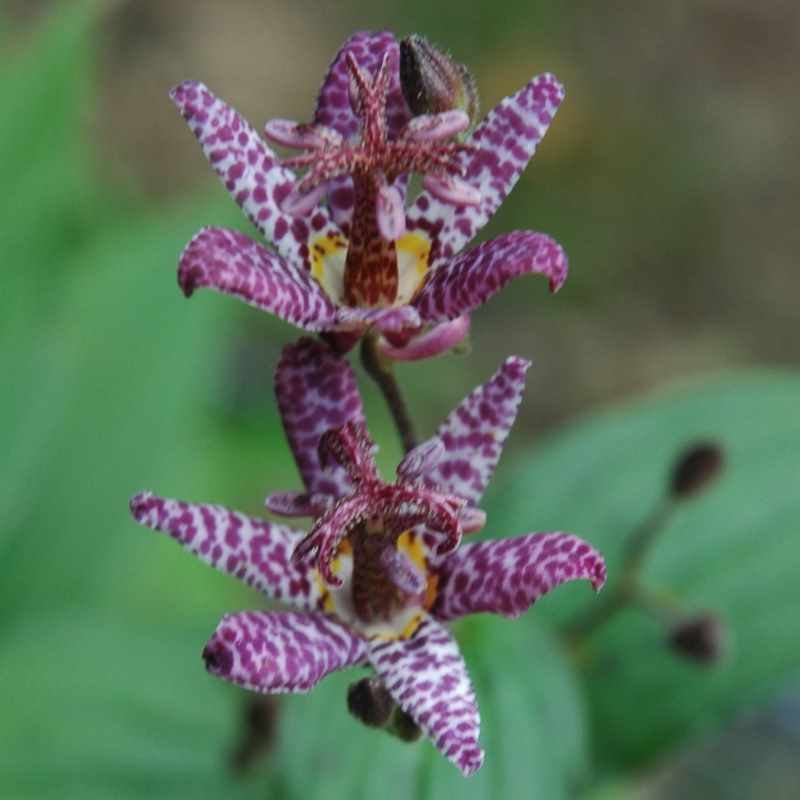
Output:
(380, 571)
(349, 254)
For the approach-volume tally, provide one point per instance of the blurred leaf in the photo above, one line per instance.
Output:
(735, 551)
(101, 709)
(532, 731)
(99, 408)
(46, 199)
(105, 708)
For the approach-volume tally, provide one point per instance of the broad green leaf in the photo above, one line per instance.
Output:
(532, 731)
(105, 707)
(735, 551)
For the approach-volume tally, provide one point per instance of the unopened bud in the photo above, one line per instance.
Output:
(697, 467)
(369, 702)
(701, 638)
(432, 82)
(404, 727)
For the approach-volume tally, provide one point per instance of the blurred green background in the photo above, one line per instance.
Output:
(670, 176)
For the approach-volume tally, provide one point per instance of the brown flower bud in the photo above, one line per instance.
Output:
(701, 638)
(404, 727)
(432, 82)
(369, 702)
(697, 467)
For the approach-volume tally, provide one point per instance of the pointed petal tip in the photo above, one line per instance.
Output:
(185, 92)
(471, 761)
(140, 504)
(598, 576)
(217, 657)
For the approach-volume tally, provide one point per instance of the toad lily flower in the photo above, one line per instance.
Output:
(380, 572)
(349, 254)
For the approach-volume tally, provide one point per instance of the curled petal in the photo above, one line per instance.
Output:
(498, 151)
(428, 679)
(255, 551)
(279, 652)
(476, 430)
(316, 390)
(420, 460)
(507, 576)
(391, 213)
(231, 263)
(439, 339)
(250, 170)
(471, 278)
(451, 189)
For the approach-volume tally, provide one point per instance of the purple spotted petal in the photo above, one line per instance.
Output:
(502, 145)
(471, 278)
(233, 264)
(334, 110)
(280, 651)
(250, 171)
(427, 677)
(475, 431)
(316, 391)
(333, 104)
(253, 550)
(507, 576)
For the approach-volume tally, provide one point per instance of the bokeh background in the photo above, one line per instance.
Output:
(671, 177)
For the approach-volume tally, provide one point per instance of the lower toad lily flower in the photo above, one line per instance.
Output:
(348, 252)
(380, 571)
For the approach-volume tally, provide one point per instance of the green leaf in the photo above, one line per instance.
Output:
(532, 731)
(103, 707)
(734, 551)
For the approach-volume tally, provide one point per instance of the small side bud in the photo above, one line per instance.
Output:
(695, 469)
(432, 82)
(369, 702)
(701, 638)
(403, 726)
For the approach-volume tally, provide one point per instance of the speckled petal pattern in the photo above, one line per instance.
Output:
(471, 278)
(507, 576)
(334, 110)
(233, 264)
(502, 145)
(280, 652)
(253, 550)
(250, 171)
(427, 677)
(476, 430)
(316, 391)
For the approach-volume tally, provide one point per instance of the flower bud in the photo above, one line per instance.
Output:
(404, 727)
(701, 638)
(697, 467)
(369, 702)
(432, 82)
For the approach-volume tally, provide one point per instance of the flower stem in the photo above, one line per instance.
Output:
(382, 372)
(627, 590)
